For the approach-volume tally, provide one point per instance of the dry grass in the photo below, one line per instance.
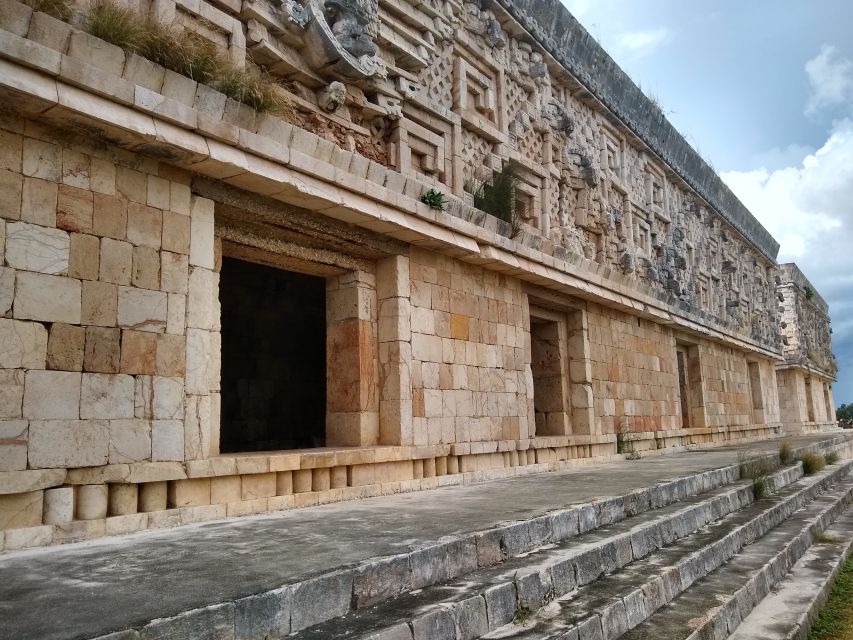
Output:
(181, 52)
(786, 453)
(812, 462)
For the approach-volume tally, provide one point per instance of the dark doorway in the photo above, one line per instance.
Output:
(683, 386)
(273, 358)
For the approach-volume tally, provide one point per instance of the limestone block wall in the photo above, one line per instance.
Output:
(470, 353)
(634, 373)
(725, 378)
(98, 265)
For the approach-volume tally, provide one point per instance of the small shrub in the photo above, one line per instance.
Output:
(59, 9)
(831, 457)
(497, 197)
(786, 453)
(522, 616)
(812, 462)
(434, 199)
(809, 292)
(753, 466)
(114, 23)
(760, 487)
(822, 537)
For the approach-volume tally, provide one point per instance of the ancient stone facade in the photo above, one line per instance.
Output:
(806, 375)
(628, 304)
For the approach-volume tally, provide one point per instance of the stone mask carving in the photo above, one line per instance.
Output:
(332, 97)
(350, 21)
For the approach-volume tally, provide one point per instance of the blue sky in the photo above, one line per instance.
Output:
(764, 91)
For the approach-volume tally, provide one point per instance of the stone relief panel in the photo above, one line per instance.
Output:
(452, 93)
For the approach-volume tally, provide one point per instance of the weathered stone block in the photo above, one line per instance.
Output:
(47, 298)
(146, 268)
(130, 441)
(471, 619)
(257, 485)
(105, 396)
(500, 604)
(141, 309)
(91, 501)
(34, 248)
(52, 395)
(434, 625)
(74, 209)
(153, 496)
(109, 218)
(84, 256)
(102, 352)
(20, 510)
(174, 272)
(23, 345)
(213, 623)
(266, 615)
(38, 202)
(123, 499)
(13, 438)
(167, 440)
(65, 347)
(378, 580)
(201, 233)
(138, 352)
(322, 598)
(225, 489)
(116, 261)
(186, 493)
(100, 302)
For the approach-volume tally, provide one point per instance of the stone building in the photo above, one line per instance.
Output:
(209, 309)
(805, 377)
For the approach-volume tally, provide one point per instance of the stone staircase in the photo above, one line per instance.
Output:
(689, 557)
(685, 570)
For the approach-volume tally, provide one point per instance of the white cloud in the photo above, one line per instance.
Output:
(809, 209)
(831, 79)
(640, 43)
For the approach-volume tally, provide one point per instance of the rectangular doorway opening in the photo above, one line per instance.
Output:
(273, 358)
(809, 400)
(683, 386)
(548, 365)
(755, 392)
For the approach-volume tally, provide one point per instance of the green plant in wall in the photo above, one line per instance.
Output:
(434, 199)
(498, 197)
(809, 292)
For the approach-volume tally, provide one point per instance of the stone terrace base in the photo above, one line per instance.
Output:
(86, 590)
(52, 506)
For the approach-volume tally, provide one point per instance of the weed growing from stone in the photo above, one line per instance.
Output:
(831, 457)
(434, 199)
(812, 462)
(757, 469)
(822, 537)
(522, 616)
(786, 453)
(181, 52)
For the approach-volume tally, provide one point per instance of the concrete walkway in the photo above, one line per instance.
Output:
(86, 589)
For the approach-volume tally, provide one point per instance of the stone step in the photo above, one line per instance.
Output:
(714, 605)
(788, 612)
(288, 582)
(623, 599)
(493, 596)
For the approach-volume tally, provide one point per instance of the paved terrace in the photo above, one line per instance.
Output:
(91, 588)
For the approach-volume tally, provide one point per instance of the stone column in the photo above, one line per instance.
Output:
(352, 370)
(393, 288)
(580, 375)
